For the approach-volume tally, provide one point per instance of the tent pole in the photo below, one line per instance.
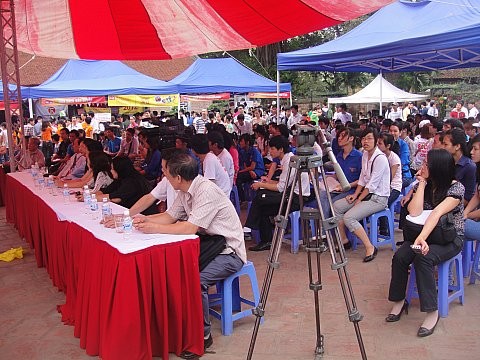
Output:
(278, 96)
(30, 107)
(381, 93)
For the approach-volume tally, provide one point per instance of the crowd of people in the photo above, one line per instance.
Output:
(434, 162)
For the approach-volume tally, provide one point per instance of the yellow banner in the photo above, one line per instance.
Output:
(96, 109)
(130, 109)
(144, 100)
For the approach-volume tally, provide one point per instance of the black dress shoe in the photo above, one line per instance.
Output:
(423, 332)
(206, 344)
(371, 257)
(260, 247)
(396, 317)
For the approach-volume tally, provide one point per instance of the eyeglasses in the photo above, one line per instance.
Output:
(368, 138)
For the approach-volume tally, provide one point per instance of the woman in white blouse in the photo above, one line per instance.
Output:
(370, 196)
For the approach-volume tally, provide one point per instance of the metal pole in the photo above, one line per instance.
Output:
(381, 93)
(30, 107)
(278, 96)
(10, 72)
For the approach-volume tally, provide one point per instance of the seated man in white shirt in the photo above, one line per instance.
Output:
(242, 126)
(201, 207)
(212, 166)
(162, 192)
(217, 147)
(269, 194)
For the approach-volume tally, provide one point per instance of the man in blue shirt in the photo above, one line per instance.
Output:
(113, 142)
(250, 162)
(404, 153)
(350, 160)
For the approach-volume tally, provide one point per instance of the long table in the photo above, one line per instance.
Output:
(129, 297)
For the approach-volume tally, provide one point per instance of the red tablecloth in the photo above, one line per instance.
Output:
(123, 306)
(2, 186)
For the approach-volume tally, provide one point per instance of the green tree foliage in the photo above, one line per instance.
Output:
(263, 60)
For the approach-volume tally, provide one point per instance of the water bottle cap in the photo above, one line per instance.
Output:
(126, 213)
(105, 199)
(85, 187)
(65, 185)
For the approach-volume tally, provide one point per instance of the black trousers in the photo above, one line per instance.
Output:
(242, 179)
(265, 204)
(424, 269)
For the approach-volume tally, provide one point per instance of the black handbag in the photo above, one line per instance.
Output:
(443, 233)
(210, 247)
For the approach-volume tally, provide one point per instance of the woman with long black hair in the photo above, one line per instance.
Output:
(129, 186)
(436, 194)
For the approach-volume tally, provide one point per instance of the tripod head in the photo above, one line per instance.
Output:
(306, 136)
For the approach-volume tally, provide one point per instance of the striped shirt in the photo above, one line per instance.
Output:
(207, 207)
(200, 125)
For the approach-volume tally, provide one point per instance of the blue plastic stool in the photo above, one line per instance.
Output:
(475, 268)
(235, 199)
(295, 231)
(395, 209)
(467, 256)
(370, 224)
(228, 297)
(444, 296)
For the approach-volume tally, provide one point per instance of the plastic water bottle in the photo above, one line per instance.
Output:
(86, 200)
(34, 172)
(66, 194)
(94, 208)
(51, 185)
(106, 209)
(41, 182)
(127, 223)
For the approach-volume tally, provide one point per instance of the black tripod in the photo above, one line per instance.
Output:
(306, 162)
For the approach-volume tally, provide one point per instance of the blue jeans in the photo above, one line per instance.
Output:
(219, 268)
(472, 229)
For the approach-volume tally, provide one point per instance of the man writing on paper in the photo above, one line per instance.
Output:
(200, 206)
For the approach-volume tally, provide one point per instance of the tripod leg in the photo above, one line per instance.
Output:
(281, 222)
(339, 264)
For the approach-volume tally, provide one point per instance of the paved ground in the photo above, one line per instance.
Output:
(30, 327)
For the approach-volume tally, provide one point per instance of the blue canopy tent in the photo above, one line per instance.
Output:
(403, 36)
(97, 78)
(208, 76)
(25, 90)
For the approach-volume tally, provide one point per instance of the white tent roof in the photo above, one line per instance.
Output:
(379, 90)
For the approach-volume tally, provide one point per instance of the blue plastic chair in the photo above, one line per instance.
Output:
(235, 199)
(475, 274)
(295, 231)
(370, 224)
(229, 299)
(467, 256)
(446, 293)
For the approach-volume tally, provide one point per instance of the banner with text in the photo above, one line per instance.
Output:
(264, 95)
(74, 100)
(220, 96)
(144, 100)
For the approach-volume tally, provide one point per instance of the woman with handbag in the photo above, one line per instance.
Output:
(438, 199)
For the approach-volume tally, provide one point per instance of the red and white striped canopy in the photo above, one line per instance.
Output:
(165, 29)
